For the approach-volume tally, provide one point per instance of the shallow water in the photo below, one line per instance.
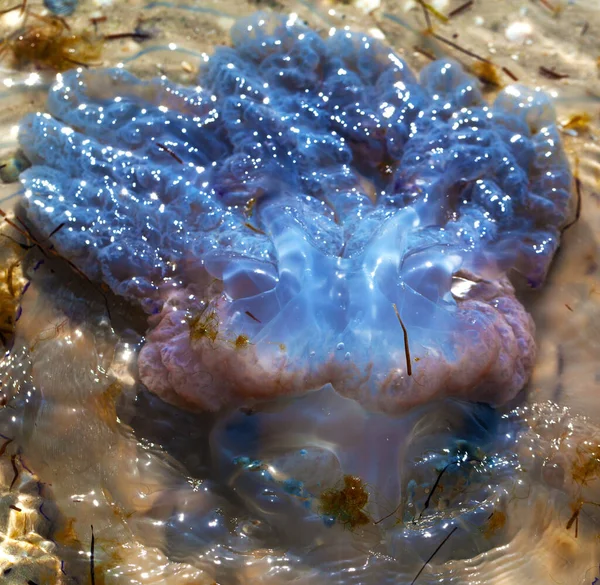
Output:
(171, 496)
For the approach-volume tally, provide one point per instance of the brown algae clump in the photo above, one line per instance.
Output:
(11, 282)
(204, 325)
(47, 42)
(346, 505)
(241, 341)
(495, 523)
(587, 466)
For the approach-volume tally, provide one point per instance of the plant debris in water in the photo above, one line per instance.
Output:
(346, 505)
(48, 43)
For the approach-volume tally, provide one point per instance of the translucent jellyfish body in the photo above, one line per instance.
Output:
(309, 214)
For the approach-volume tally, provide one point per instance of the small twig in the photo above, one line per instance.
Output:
(406, 348)
(254, 229)
(426, 13)
(435, 485)
(425, 53)
(15, 7)
(252, 316)
(439, 477)
(575, 515)
(569, 307)
(92, 568)
(431, 10)
(169, 151)
(548, 5)
(510, 73)
(56, 229)
(578, 207)
(4, 446)
(388, 515)
(78, 63)
(41, 510)
(434, 553)
(460, 9)
(461, 49)
(13, 462)
(550, 74)
(142, 36)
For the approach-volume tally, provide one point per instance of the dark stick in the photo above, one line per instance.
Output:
(254, 229)
(92, 569)
(432, 490)
(578, 208)
(461, 49)
(574, 516)
(510, 73)
(57, 229)
(426, 12)
(424, 53)
(460, 9)
(434, 553)
(4, 446)
(388, 515)
(169, 151)
(252, 316)
(551, 74)
(13, 462)
(142, 36)
(548, 5)
(7, 10)
(406, 348)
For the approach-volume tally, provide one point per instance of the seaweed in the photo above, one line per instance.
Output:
(346, 505)
(204, 325)
(47, 42)
(487, 73)
(495, 522)
(587, 466)
(241, 341)
(579, 122)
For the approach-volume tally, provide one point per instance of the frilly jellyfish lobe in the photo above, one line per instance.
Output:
(284, 221)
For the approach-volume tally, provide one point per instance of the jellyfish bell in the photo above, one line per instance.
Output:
(324, 247)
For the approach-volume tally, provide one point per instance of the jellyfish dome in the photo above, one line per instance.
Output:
(310, 213)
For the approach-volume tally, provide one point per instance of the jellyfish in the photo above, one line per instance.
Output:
(324, 245)
(310, 213)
